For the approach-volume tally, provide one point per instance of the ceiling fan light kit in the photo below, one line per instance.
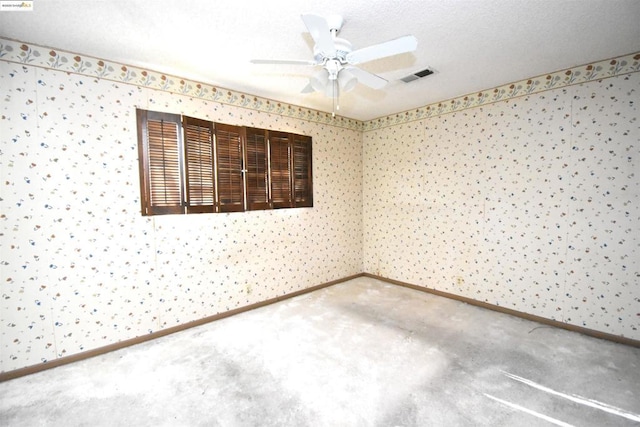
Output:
(337, 57)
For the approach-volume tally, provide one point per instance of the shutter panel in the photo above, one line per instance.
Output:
(302, 176)
(229, 167)
(160, 161)
(257, 162)
(280, 170)
(198, 145)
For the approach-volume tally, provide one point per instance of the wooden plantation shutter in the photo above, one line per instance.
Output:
(257, 166)
(189, 165)
(160, 157)
(229, 160)
(198, 146)
(280, 170)
(302, 171)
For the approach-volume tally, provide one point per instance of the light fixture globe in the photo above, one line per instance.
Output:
(346, 80)
(331, 90)
(319, 80)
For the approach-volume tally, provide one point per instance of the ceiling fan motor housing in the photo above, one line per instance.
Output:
(342, 49)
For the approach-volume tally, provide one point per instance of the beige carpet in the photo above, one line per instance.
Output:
(361, 353)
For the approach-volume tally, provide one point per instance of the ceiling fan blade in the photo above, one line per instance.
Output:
(367, 78)
(308, 89)
(319, 30)
(284, 61)
(392, 47)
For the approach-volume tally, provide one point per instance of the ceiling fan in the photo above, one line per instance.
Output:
(337, 58)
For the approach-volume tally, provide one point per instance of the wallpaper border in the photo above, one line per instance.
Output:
(599, 70)
(56, 59)
(40, 56)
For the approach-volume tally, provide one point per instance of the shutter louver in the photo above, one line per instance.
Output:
(229, 167)
(199, 165)
(302, 176)
(257, 169)
(280, 170)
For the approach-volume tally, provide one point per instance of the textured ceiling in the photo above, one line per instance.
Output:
(471, 44)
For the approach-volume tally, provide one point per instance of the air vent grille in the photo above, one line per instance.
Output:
(417, 75)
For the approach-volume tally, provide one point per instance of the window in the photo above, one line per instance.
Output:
(189, 165)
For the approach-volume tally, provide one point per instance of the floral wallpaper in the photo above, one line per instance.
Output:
(530, 204)
(523, 196)
(81, 268)
(38, 56)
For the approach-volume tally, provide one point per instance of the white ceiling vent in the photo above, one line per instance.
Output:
(418, 75)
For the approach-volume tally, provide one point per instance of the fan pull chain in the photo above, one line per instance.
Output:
(336, 97)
